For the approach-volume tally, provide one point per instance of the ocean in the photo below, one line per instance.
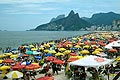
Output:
(14, 39)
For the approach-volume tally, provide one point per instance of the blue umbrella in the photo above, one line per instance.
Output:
(47, 55)
(29, 52)
(25, 63)
(73, 48)
(37, 57)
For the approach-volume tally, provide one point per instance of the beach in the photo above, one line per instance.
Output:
(49, 56)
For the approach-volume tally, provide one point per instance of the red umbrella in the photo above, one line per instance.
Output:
(112, 50)
(72, 59)
(58, 61)
(73, 54)
(16, 67)
(25, 55)
(32, 67)
(8, 61)
(45, 78)
(86, 42)
(51, 58)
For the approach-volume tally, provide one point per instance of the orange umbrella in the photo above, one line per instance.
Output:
(58, 61)
(8, 61)
(73, 54)
(51, 58)
(32, 67)
(45, 78)
(16, 67)
(72, 59)
(112, 50)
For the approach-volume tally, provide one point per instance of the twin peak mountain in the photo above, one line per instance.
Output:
(73, 22)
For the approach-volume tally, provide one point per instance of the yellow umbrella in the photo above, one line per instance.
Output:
(95, 52)
(13, 56)
(46, 51)
(86, 46)
(52, 51)
(33, 49)
(1, 61)
(77, 46)
(4, 67)
(98, 49)
(74, 38)
(8, 54)
(84, 52)
(35, 63)
(31, 46)
(2, 56)
(67, 52)
(41, 48)
(118, 58)
(59, 54)
(14, 74)
(62, 49)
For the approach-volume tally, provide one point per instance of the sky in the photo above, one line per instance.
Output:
(22, 15)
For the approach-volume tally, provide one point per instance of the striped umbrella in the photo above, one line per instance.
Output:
(14, 74)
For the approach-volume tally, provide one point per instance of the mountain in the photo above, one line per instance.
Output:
(57, 18)
(70, 23)
(103, 18)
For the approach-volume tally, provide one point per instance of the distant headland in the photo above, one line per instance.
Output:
(73, 22)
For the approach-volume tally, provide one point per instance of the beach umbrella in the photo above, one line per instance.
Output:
(77, 46)
(98, 49)
(73, 48)
(73, 54)
(95, 52)
(8, 54)
(1, 61)
(17, 67)
(33, 49)
(46, 51)
(86, 46)
(117, 59)
(29, 52)
(31, 46)
(52, 51)
(59, 54)
(13, 56)
(62, 49)
(51, 58)
(37, 57)
(84, 52)
(32, 67)
(36, 52)
(67, 52)
(56, 61)
(72, 59)
(25, 63)
(8, 61)
(14, 74)
(2, 56)
(47, 55)
(4, 67)
(112, 50)
(25, 55)
(45, 78)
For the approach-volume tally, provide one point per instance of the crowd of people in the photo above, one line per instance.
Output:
(65, 46)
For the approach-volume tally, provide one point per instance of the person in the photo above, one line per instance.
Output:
(83, 75)
(54, 68)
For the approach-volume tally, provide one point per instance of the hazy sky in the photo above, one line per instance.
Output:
(20, 15)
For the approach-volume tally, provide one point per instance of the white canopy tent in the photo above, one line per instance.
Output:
(113, 44)
(91, 61)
